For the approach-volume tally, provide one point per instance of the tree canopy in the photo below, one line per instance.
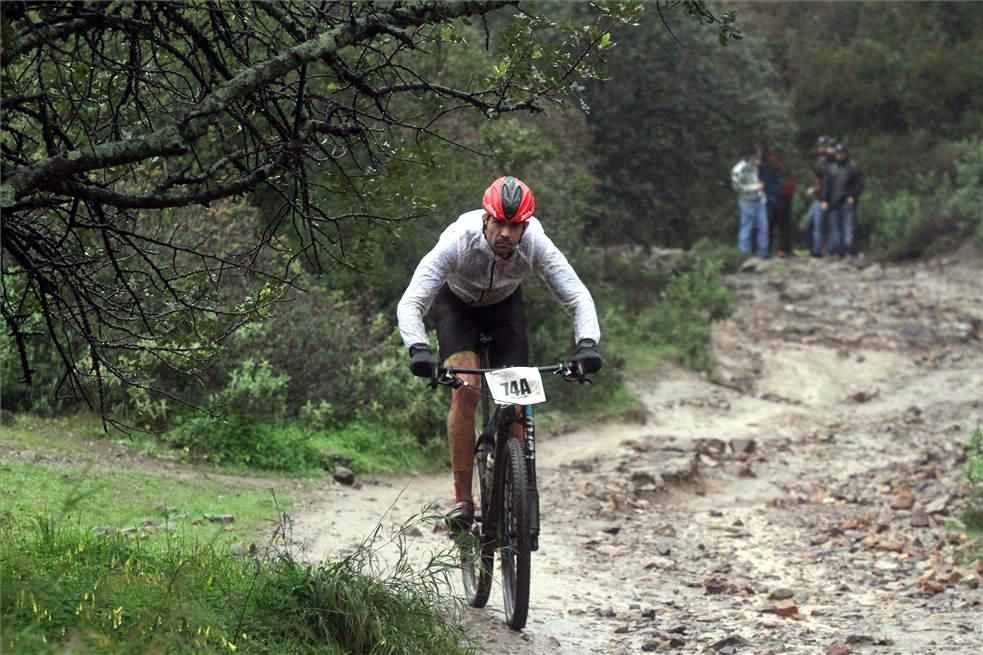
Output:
(118, 117)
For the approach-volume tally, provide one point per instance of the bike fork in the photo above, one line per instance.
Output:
(530, 450)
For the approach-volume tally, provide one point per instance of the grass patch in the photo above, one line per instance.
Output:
(646, 356)
(63, 434)
(69, 590)
(973, 516)
(378, 449)
(120, 498)
(296, 448)
(678, 326)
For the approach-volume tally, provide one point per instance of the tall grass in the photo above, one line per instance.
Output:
(973, 516)
(67, 588)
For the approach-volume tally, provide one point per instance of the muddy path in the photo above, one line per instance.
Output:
(800, 500)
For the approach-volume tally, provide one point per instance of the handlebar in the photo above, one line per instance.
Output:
(570, 371)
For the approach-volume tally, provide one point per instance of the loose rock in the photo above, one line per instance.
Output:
(902, 499)
(343, 475)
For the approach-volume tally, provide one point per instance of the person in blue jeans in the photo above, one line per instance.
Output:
(752, 203)
(842, 186)
(815, 219)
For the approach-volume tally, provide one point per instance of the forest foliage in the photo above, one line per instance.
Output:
(218, 254)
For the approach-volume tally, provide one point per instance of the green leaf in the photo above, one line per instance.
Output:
(7, 195)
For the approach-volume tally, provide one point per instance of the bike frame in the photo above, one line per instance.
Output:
(497, 429)
(515, 460)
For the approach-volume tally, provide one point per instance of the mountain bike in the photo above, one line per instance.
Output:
(507, 498)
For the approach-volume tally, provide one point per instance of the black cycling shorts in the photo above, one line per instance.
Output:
(459, 325)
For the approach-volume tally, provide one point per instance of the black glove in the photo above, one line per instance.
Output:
(587, 356)
(421, 360)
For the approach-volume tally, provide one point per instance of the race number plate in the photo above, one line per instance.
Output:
(516, 386)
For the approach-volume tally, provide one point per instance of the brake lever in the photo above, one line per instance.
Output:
(575, 374)
(452, 381)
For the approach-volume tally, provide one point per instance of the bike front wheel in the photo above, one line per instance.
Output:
(515, 539)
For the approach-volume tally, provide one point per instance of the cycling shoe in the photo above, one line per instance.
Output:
(460, 518)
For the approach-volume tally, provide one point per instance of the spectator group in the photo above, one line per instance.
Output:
(766, 189)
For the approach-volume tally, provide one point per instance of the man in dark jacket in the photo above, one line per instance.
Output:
(814, 220)
(843, 183)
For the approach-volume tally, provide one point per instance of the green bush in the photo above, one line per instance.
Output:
(254, 392)
(687, 308)
(243, 425)
(381, 391)
(727, 256)
(46, 395)
(375, 448)
(895, 219)
(551, 340)
(933, 210)
(231, 441)
(667, 315)
(314, 339)
(626, 283)
(966, 202)
(974, 472)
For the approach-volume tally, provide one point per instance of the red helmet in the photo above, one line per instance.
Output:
(509, 199)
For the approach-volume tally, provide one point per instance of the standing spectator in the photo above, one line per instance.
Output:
(752, 202)
(814, 219)
(769, 177)
(779, 184)
(842, 186)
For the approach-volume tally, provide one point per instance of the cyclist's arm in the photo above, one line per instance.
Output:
(430, 275)
(563, 282)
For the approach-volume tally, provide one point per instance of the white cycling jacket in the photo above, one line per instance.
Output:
(463, 259)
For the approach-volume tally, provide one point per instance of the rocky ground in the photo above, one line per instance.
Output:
(799, 500)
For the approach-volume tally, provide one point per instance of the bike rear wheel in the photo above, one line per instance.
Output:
(515, 539)
(476, 547)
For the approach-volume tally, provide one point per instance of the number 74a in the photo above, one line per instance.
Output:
(518, 387)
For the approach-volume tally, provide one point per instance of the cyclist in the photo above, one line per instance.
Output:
(470, 283)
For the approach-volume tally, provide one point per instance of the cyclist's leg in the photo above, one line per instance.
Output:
(460, 424)
(457, 334)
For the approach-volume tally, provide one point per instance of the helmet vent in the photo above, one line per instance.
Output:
(511, 196)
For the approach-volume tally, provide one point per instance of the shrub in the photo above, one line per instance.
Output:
(966, 202)
(913, 222)
(232, 441)
(375, 448)
(974, 472)
(314, 339)
(727, 256)
(893, 218)
(254, 392)
(380, 390)
(687, 308)
(47, 393)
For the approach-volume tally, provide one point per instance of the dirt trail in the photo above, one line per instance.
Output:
(797, 500)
